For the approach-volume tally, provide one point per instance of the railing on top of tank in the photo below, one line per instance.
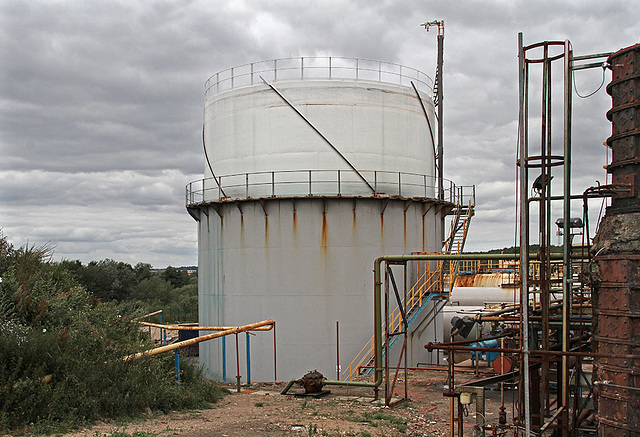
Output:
(326, 67)
(321, 183)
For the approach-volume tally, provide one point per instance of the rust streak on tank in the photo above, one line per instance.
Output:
(404, 236)
(294, 224)
(323, 242)
(354, 223)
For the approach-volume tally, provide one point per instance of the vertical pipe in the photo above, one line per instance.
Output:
(337, 350)
(177, 364)
(237, 365)
(566, 259)
(224, 359)
(406, 332)
(386, 335)
(163, 333)
(275, 362)
(248, 357)
(543, 229)
(451, 369)
(440, 124)
(524, 235)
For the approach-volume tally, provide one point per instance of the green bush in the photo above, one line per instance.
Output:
(62, 350)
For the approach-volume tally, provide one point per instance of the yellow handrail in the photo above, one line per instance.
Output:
(424, 285)
(428, 282)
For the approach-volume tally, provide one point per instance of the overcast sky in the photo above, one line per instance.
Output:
(101, 103)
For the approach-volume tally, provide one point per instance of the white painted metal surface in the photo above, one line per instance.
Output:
(295, 234)
(376, 124)
(305, 263)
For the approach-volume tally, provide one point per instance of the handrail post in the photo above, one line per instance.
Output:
(273, 184)
(339, 190)
(310, 183)
(246, 185)
(425, 185)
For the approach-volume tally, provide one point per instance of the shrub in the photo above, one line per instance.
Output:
(61, 352)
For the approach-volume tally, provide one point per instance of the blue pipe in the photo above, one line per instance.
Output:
(248, 358)
(224, 358)
(177, 357)
(490, 356)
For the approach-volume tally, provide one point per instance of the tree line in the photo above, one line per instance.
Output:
(172, 290)
(64, 330)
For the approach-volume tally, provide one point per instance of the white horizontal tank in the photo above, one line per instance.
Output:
(315, 178)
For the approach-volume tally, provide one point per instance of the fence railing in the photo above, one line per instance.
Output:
(320, 183)
(317, 68)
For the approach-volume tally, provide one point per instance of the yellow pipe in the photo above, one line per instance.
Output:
(147, 315)
(200, 328)
(235, 330)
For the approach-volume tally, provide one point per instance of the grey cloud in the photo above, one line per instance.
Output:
(101, 103)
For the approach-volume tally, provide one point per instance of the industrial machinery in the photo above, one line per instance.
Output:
(573, 342)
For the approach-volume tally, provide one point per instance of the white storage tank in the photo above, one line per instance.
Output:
(321, 165)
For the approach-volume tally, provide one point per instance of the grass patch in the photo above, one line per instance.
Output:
(378, 418)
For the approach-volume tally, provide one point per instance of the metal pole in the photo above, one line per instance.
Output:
(177, 363)
(248, 357)
(237, 365)
(224, 359)
(275, 361)
(544, 213)
(387, 397)
(337, 350)
(440, 124)
(524, 235)
(566, 261)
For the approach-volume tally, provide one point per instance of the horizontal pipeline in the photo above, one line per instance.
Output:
(431, 346)
(200, 328)
(161, 349)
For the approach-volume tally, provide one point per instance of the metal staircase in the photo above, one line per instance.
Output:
(433, 283)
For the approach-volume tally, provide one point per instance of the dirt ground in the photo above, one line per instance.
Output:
(260, 410)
